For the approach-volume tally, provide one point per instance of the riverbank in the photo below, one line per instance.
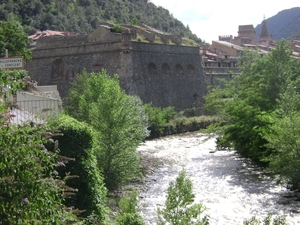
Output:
(183, 124)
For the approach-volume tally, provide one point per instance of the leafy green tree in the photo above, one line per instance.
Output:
(179, 208)
(14, 39)
(245, 102)
(284, 136)
(82, 16)
(30, 190)
(119, 120)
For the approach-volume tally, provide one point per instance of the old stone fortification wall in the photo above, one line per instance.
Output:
(166, 75)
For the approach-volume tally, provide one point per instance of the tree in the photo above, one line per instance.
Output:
(247, 100)
(119, 120)
(285, 135)
(30, 190)
(179, 209)
(14, 39)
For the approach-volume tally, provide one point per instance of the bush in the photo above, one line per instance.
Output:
(117, 28)
(30, 192)
(130, 219)
(179, 209)
(128, 214)
(158, 118)
(76, 142)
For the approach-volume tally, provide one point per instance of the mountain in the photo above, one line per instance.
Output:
(285, 24)
(84, 15)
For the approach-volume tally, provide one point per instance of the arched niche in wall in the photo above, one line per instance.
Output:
(57, 69)
(191, 70)
(179, 70)
(152, 69)
(166, 70)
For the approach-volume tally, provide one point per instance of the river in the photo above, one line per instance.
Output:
(230, 186)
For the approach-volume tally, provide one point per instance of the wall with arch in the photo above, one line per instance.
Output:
(164, 74)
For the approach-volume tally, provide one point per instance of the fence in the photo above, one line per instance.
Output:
(36, 111)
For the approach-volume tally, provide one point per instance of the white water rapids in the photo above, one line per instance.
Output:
(228, 185)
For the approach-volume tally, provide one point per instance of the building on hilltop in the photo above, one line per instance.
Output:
(155, 66)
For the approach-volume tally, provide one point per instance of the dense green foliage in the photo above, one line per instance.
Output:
(158, 118)
(118, 119)
(179, 208)
(14, 39)
(128, 213)
(260, 110)
(85, 15)
(30, 190)
(82, 174)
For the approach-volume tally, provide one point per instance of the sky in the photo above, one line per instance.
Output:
(209, 19)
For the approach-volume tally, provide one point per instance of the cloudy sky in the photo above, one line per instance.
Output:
(209, 19)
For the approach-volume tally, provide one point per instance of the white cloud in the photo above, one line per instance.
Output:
(209, 19)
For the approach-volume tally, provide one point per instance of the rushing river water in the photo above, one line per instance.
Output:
(228, 185)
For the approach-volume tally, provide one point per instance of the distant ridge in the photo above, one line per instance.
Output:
(285, 24)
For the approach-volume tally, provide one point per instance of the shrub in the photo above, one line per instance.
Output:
(117, 28)
(30, 192)
(128, 214)
(76, 142)
(158, 118)
(130, 219)
(179, 209)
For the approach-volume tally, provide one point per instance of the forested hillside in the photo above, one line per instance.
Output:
(285, 24)
(84, 15)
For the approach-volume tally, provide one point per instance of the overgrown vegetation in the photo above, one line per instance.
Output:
(83, 174)
(30, 190)
(118, 119)
(158, 118)
(260, 111)
(179, 208)
(84, 15)
(129, 211)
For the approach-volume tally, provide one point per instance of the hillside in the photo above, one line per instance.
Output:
(84, 15)
(285, 24)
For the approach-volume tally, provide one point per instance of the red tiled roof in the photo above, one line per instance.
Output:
(45, 33)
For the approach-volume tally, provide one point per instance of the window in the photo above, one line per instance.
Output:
(152, 69)
(179, 70)
(166, 69)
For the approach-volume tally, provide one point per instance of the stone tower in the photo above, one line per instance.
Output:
(247, 32)
(265, 38)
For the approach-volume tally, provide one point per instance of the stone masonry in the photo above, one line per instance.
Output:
(167, 74)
